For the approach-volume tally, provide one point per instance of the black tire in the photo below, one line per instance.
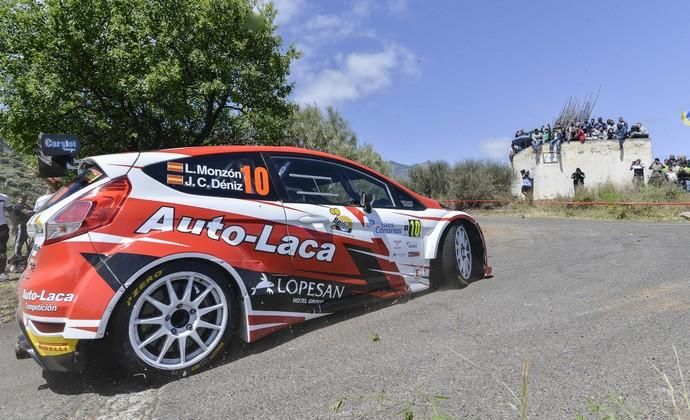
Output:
(447, 269)
(185, 338)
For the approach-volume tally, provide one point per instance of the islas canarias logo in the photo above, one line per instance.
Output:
(685, 117)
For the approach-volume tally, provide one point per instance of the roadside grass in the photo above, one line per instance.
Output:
(610, 194)
(611, 407)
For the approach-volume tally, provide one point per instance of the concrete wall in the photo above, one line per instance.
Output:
(600, 160)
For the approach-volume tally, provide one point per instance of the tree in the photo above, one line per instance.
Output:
(331, 133)
(432, 179)
(140, 74)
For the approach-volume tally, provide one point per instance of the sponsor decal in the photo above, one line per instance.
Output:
(163, 220)
(414, 228)
(264, 284)
(44, 296)
(300, 291)
(340, 222)
(388, 228)
(52, 346)
(413, 254)
(204, 176)
(310, 289)
(40, 307)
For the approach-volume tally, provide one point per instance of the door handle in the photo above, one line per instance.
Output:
(312, 218)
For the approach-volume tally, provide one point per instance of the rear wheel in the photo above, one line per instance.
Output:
(174, 320)
(459, 261)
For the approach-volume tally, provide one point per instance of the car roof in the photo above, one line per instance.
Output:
(211, 150)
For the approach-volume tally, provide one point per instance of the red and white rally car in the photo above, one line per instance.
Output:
(170, 254)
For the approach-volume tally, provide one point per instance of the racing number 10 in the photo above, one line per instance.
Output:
(260, 180)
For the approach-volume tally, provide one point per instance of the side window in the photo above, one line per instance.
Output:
(312, 181)
(407, 202)
(315, 181)
(234, 175)
(362, 183)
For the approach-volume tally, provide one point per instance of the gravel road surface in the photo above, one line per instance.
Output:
(592, 306)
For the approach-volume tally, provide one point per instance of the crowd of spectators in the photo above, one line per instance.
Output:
(594, 129)
(672, 170)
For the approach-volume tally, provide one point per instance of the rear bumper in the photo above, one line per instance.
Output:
(72, 361)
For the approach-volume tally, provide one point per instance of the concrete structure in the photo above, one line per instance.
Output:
(600, 160)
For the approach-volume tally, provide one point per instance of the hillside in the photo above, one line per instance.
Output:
(401, 171)
(17, 177)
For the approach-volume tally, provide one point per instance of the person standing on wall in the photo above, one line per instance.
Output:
(578, 179)
(4, 234)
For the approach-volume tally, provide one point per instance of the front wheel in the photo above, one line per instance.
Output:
(459, 259)
(174, 320)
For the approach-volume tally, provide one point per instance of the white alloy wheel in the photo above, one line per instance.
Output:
(178, 320)
(463, 252)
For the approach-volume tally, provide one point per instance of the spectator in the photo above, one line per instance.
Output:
(546, 133)
(580, 134)
(600, 124)
(621, 133)
(656, 177)
(527, 185)
(536, 140)
(557, 140)
(610, 129)
(578, 179)
(625, 124)
(671, 161)
(586, 127)
(594, 133)
(684, 177)
(638, 172)
(4, 234)
(671, 175)
(22, 213)
(570, 133)
(637, 131)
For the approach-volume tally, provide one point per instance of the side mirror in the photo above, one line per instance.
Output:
(365, 201)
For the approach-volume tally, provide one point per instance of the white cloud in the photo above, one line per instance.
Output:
(398, 7)
(494, 148)
(287, 10)
(356, 75)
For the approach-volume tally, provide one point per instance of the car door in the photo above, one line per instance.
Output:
(225, 205)
(337, 242)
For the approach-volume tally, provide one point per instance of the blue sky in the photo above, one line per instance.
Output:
(426, 80)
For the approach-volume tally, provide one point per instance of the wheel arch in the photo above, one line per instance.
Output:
(233, 277)
(436, 238)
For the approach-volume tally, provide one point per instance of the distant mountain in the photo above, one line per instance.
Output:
(401, 171)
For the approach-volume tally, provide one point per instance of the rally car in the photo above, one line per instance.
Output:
(163, 257)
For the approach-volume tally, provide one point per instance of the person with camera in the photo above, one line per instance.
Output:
(578, 179)
(527, 185)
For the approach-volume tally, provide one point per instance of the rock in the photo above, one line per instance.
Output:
(685, 215)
